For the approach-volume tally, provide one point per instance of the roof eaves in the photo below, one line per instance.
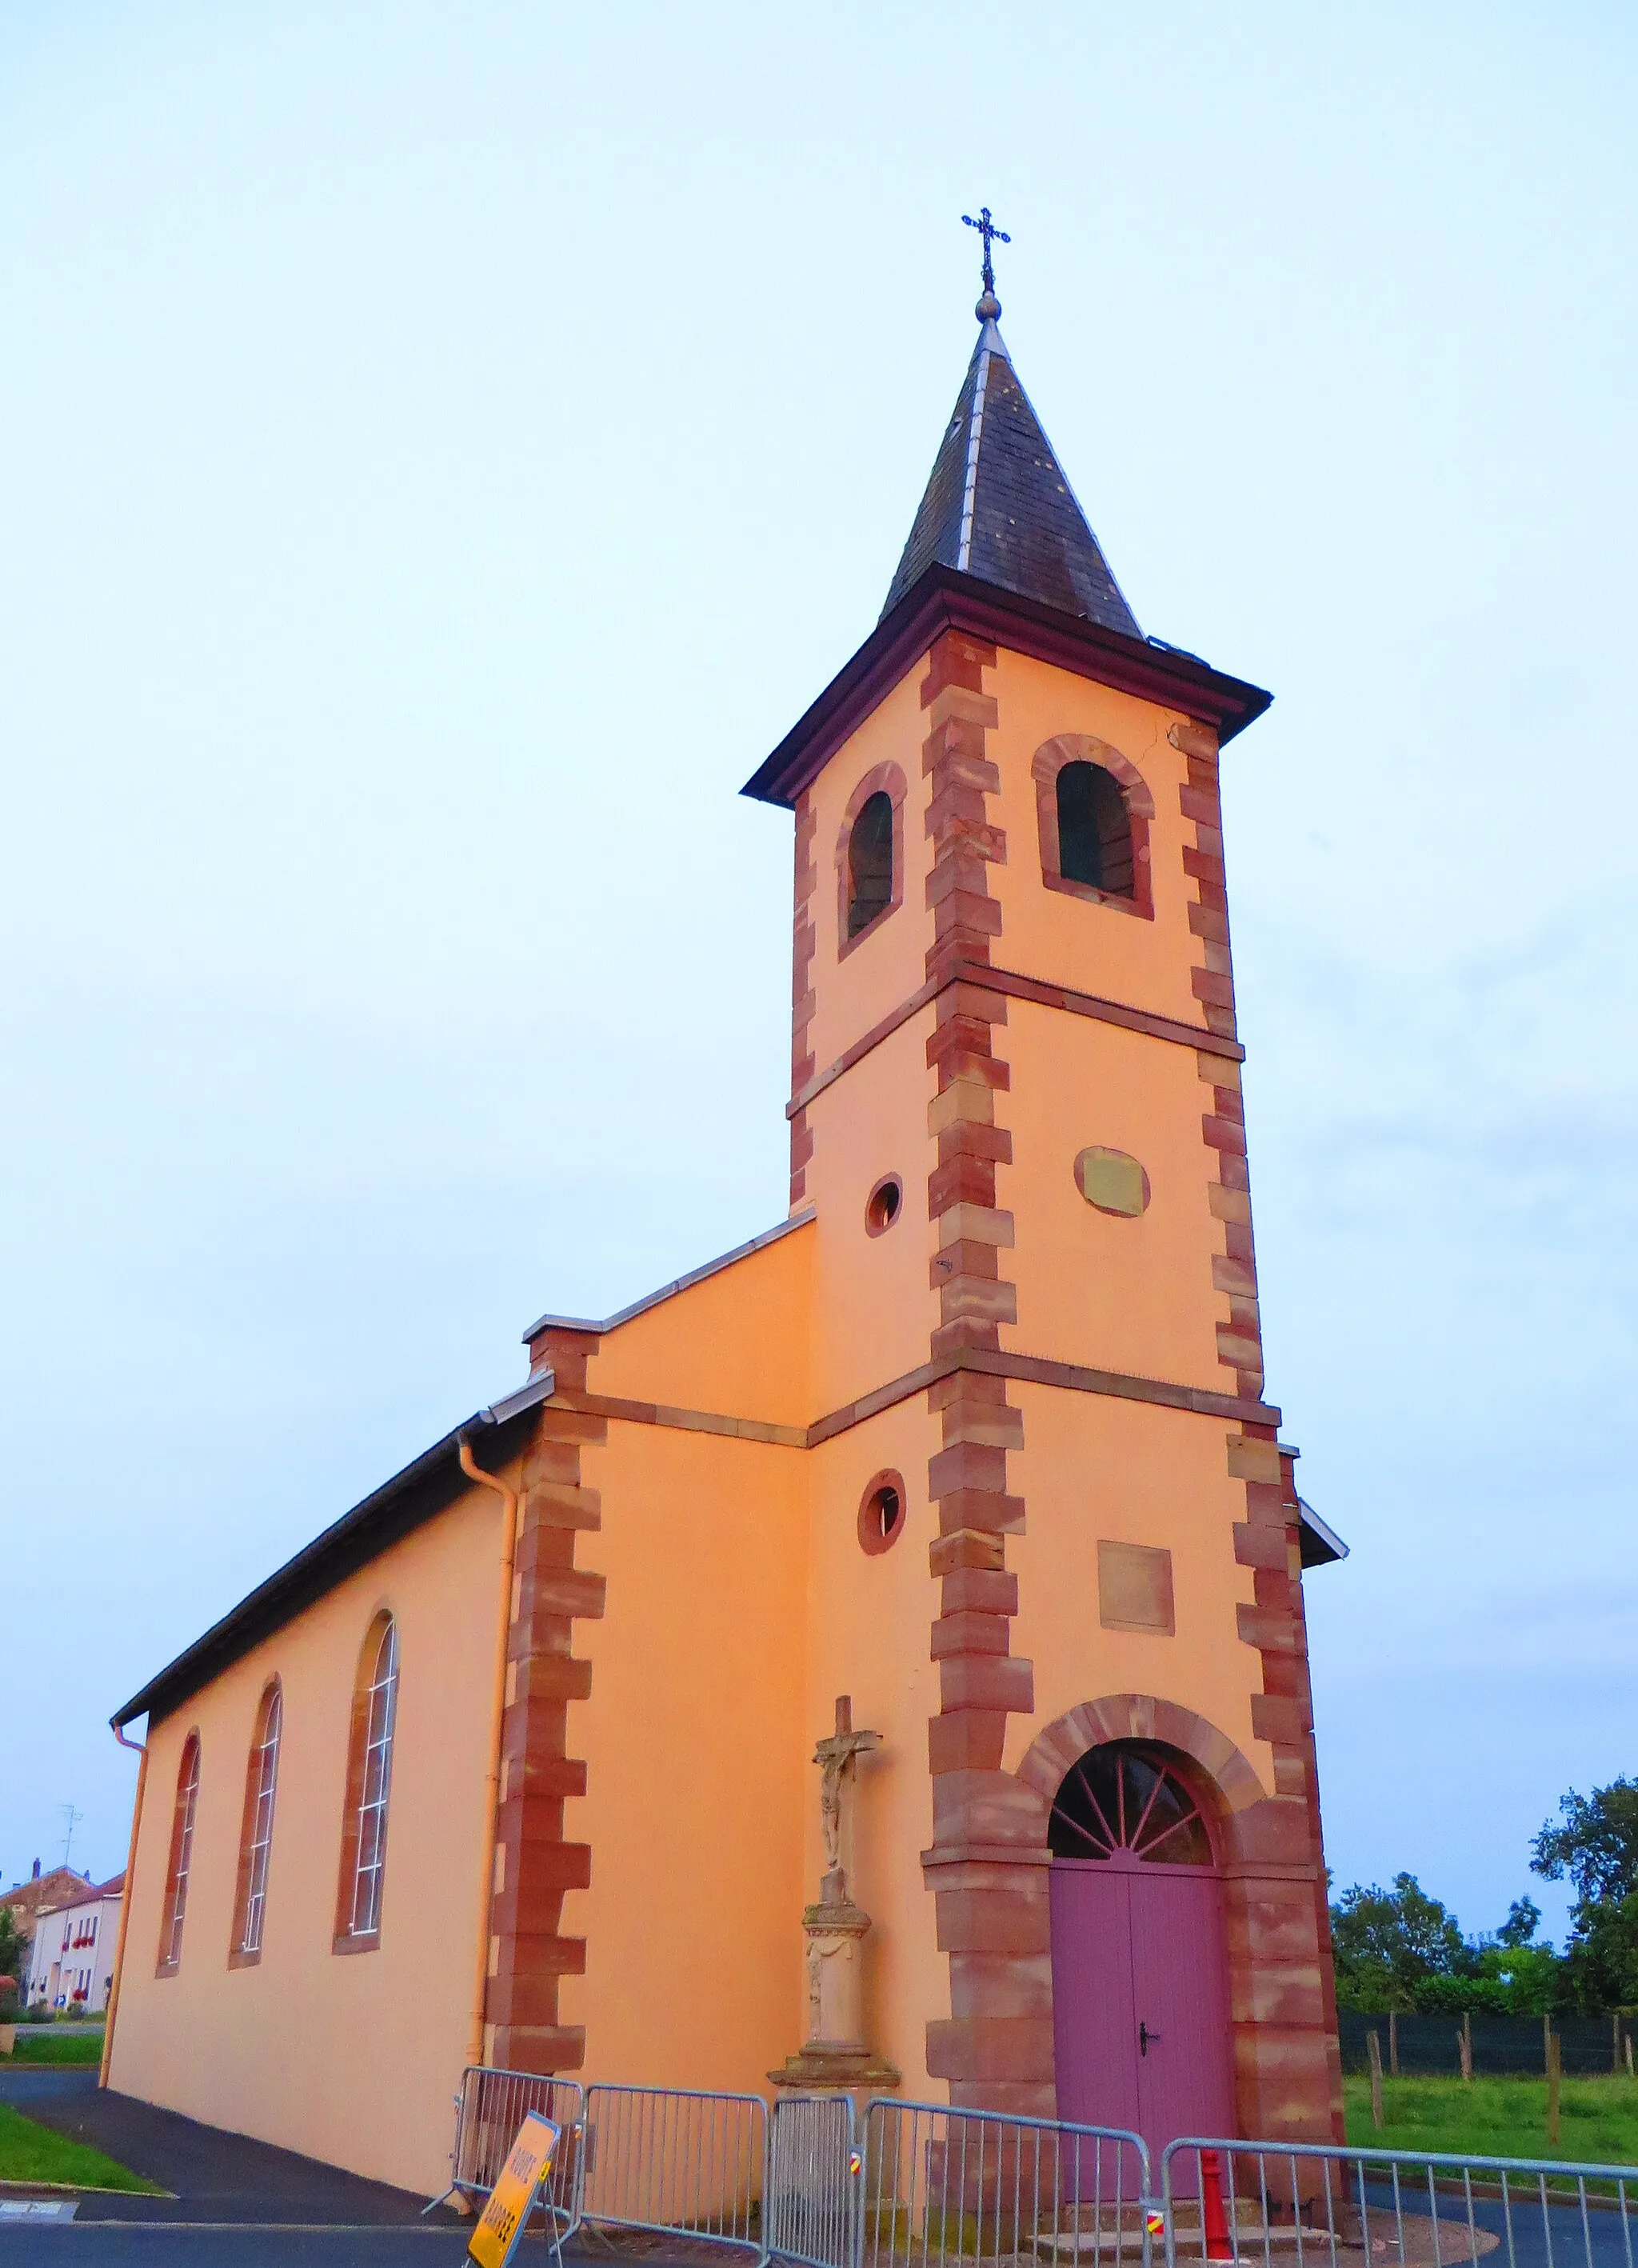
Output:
(669, 1290)
(943, 598)
(1326, 1545)
(349, 1543)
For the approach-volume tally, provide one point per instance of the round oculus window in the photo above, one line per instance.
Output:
(881, 1512)
(882, 1206)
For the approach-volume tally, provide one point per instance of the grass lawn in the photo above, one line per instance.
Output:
(29, 2152)
(40, 2043)
(1499, 2118)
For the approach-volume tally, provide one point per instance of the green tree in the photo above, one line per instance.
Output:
(1390, 1944)
(13, 1950)
(1595, 1842)
(1524, 1919)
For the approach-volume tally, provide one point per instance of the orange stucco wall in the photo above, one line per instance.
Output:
(873, 1306)
(735, 1344)
(1092, 1466)
(1113, 1293)
(868, 1619)
(352, 2058)
(854, 992)
(1060, 939)
(693, 1741)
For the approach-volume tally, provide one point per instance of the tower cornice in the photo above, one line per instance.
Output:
(943, 599)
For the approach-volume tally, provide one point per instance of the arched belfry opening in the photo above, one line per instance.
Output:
(1094, 830)
(870, 862)
(1141, 2025)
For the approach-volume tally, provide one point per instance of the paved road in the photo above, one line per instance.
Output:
(116, 2244)
(1531, 2235)
(215, 2176)
(238, 2203)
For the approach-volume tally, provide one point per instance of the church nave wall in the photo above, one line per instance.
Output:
(298, 2048)
(736, 1343)
(869, 1618)
(694, 1741)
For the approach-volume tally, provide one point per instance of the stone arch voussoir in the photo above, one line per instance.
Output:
(1139, 1716)
(1086, 749)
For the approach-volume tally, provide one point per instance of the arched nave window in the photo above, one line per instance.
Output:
(182, 1859)
(255, 1841)
(369, 1785)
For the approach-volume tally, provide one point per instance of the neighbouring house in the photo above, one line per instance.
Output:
(963, 1472)
(25, 1901)
(71, 1961)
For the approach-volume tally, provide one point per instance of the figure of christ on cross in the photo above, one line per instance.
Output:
(835, 1755)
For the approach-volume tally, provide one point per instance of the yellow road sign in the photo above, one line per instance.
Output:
(528, 2164)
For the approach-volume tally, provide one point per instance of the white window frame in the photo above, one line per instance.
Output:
(265, 1758)
(370, 1860)
(178, 1886)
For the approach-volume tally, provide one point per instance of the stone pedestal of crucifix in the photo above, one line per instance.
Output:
(834, 2058)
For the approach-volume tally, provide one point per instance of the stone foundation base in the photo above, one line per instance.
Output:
(836, 2071)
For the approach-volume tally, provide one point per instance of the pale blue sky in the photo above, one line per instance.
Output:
(442, 450)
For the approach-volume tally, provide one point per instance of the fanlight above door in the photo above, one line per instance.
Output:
(1122, 1802)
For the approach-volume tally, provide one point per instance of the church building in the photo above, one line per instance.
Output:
(877, 1659)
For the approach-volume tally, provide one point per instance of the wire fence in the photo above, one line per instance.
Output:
(810, 2201)
(679, 2161)
(1314, 2206)
(490, 2107)
(1429, 2046)
(925, 2185)
(942, 2184)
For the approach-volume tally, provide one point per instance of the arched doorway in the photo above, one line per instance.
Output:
(1139, 1970)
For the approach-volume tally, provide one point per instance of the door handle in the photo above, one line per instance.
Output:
(1144, 2037)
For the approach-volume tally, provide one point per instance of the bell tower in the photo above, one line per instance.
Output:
(1017, 1116)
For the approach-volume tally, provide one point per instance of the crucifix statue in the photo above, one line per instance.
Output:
(836, 1756)
(988, 306)
(834, 2058)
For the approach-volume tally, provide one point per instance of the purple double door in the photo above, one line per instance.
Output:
(1140, 1998)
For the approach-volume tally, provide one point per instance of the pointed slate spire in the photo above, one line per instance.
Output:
(998, 506)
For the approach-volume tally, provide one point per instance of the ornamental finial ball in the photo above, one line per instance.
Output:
(988, 306)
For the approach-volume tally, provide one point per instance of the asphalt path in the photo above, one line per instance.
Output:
(215, 2176)
(1556, 2235)
(127, 2244)
(236, 2203)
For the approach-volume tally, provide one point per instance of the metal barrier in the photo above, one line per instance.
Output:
(939, 2184)
(1319, 2206)
(490, 2107)
(681, 2161)
(810, 2197)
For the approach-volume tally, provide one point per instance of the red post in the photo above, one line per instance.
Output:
(1213, 2215)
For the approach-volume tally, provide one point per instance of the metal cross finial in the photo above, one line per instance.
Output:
(988, 306)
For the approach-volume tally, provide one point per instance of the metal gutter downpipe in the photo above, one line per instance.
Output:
(140, 1748)
(492, 1785)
